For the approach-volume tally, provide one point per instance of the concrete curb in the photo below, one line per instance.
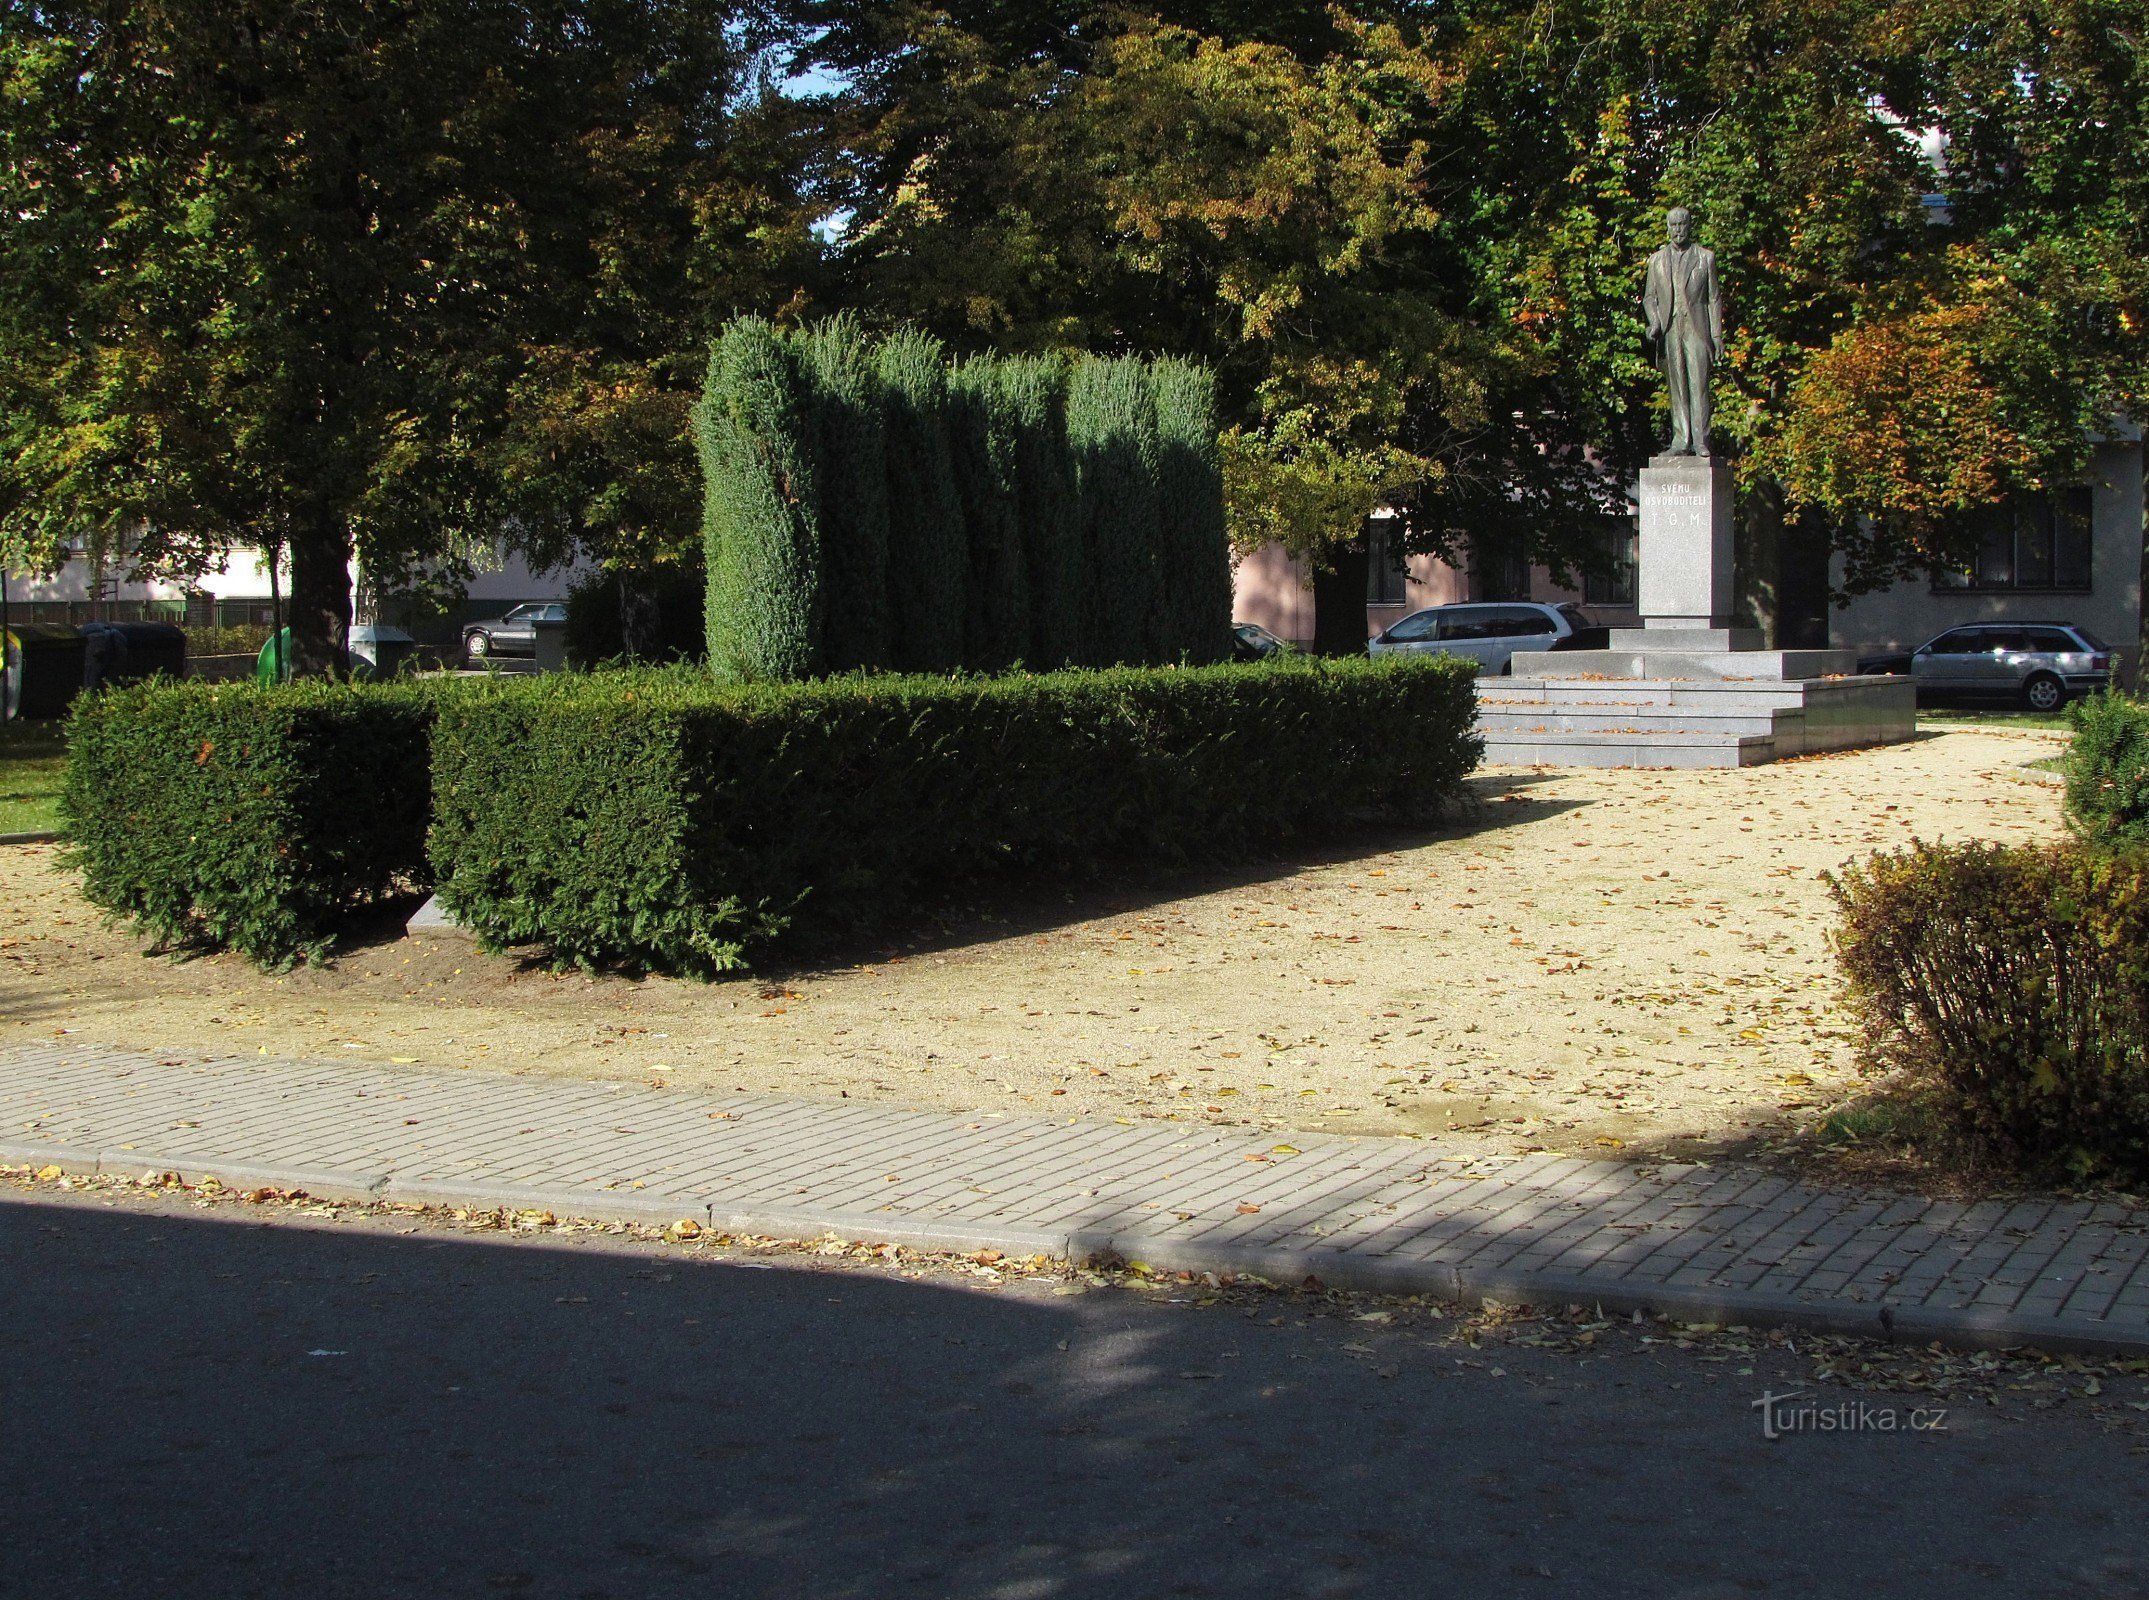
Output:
(47, 837)
(1443, 1281)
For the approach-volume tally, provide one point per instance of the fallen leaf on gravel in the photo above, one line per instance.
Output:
(1246, 1210)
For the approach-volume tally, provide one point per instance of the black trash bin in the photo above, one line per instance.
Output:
(128, 652)
(44, 669)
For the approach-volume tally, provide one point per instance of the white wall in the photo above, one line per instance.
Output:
(244, 576)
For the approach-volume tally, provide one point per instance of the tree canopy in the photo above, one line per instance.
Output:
(347, 277)
(400, 279)
(1410, 237)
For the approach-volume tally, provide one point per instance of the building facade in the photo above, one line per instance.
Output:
(2071, 554)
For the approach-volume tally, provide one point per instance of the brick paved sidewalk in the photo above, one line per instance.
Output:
(1700, 1243)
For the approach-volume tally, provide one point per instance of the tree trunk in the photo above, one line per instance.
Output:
(1757, 563)
(2140, 676)
(1339, 603)
(1802, 597)
(641, 623)
(321, 597)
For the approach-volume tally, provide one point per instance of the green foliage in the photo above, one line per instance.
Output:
(596, 627)
(1195, 545)
(928, 548)
(351, 277)
(1112, 434)
(985, 432)
(762, 525)
(985, 527)
(1034, 390)
(2107, 770)
(851, 454)
(656, 820)
(2010, 984)
(230, 815)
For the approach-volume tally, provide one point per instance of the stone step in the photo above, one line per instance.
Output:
(1646, 692)
(1527, 716)
(1554, 748)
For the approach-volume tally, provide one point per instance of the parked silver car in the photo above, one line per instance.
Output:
(1489, 633)
(2037, 664)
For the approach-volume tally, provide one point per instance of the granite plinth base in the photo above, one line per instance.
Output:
(1648, 659)
(1573, 717)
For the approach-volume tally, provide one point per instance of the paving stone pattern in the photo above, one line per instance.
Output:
(1706, 1243)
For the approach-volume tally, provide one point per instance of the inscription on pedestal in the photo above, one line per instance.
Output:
(1685, 544)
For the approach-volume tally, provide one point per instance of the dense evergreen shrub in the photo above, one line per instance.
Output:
(869, 507)
(851, 451)
(928, 549)
(596, 625)
(1194, 546)
(2107, 768)
(984, 429)
(250, 817)
(2010, 984)
(658, 820)
(1112, 435)
(1034, 389)
(762, 519)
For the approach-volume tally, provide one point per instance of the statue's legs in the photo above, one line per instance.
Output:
(1686, 381)
(1697, 399)
(1679, 390)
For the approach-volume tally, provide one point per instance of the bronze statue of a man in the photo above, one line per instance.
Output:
(1685, 314)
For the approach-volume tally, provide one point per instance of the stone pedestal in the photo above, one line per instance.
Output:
(1686, 689)
(1686, 544)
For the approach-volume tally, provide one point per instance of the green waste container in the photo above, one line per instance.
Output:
(44, 669)
(275, 655)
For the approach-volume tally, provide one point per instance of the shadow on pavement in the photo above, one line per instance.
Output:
(200, 1406)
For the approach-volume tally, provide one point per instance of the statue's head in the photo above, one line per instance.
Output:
(1679, 225)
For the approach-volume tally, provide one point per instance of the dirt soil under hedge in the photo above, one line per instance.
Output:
(1587, 961)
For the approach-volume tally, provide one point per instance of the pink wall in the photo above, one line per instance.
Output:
(1276, 590)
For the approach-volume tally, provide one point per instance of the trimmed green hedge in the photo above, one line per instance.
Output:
(244, 816)
(654, 820)
(2009, 986)
(868, 507)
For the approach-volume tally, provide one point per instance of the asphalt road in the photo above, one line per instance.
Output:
(201, 1403)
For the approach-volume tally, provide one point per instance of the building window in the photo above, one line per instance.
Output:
(2037, 542)
(1386, 572)
(1614, 586)
(1498, 571)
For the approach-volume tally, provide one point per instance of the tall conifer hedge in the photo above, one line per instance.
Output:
(928, 547)
(985, 434)
(1112, 435)
(850, 443)
(755, 429)
(1034, 389)
(868, 507)
(1194, 545)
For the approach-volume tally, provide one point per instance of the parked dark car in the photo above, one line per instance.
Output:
(514, 634)
(2040, 665)
(1252, 642)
